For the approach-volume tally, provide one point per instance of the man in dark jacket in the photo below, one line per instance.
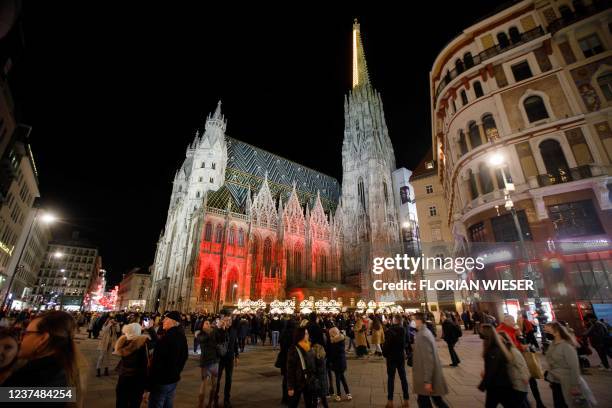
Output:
(451, 333)
(314, 330)
(598, 336)
(169, 358)
(229, 352)
(393, 351)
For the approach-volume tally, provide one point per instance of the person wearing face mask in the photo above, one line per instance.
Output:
(9, 348)
(568, 387)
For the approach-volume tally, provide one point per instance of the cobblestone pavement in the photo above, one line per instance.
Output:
(258, 384)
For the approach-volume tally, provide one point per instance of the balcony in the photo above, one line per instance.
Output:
(489, 53)
(565, 175)
(580, 13)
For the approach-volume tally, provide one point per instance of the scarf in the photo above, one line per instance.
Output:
(305, 345)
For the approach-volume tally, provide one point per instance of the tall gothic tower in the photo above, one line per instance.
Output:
(368, 208)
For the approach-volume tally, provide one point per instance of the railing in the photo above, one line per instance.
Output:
(565, 176)
(579, 14)
(489, 53)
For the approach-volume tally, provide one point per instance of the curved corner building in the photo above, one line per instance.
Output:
(527, 94)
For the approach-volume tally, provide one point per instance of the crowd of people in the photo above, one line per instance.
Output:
(39, 350)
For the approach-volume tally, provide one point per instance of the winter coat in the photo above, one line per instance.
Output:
(134, 358)
(315, 334)
(395, 344)
(208, 345)
(496, 370)
(107, 341)
(230, 338)
(426, 367)
(360, 334)
(336, 354)
(563, 368)
(518, 371)
(169, 358)
(322, 384)
(378, 336)
(297, 378)
(450, 332)
(243, 328)
(42, 372)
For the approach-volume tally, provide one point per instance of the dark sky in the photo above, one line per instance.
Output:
(114, 94)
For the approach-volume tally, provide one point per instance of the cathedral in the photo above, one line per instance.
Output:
(246, 223)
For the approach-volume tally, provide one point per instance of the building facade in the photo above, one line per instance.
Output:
(531, 85)
(66, 274)
(134, 291)
(246, 223)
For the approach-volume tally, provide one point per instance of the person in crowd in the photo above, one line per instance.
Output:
(301, 370)
(518, 372)
(133, 349)
(350, 333)
(393, 351)
(509, 327)
(169, 358)
(286, 341)
(427, 377)
(528, 329)
(568, 387)
(495, 378)
(243, 332)
(51, 355)
(476, 319)
(227, 345)
(377, 337)
(197, 327)
(322, 386)
(105, 345)
(254, 329)
(315, 332)
(275, 328)
(450, 334)
(264, 329)
(209, 362)
(337, 358)
(361, 341)
(598, 335)
(9, 349)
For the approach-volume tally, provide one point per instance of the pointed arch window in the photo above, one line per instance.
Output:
(535, 108)
(474, 133)
(297, 261)
(267, 258)
(486, 181)
(208, 232)
(361, 193)
(219, 234)
(241, 238)
(322, 270)
(464, 98)
(459, 66)
(386, 192)
(232, 236)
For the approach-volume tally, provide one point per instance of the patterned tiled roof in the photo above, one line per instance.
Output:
(247, 167)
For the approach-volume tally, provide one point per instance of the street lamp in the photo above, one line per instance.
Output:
(45, 218)
(58, 254)
(333, 291)
(497, 160)
(233, 289)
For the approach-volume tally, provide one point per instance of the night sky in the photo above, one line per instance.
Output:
(115, 93)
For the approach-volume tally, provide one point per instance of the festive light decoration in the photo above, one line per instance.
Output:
(109, 300)
(378, 307)
(280, 307)
(250, 306)
(331, 306)
(306, 306)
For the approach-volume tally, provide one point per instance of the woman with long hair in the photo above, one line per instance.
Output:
(568, 387)
(9, 348)
(52, 356)
(495, 378)
(301, 370)
(518, 371)
(378, 336)
(361, 341)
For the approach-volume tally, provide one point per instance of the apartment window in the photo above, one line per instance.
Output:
(213, 166)
(502, 39)
(478, 89)
(464, 99)
(436, 234)
(203, 165)
(535, 108)
(521, 71)
(504, 228)
(429, 189)
(575, 219)
(201, 179)
(605, 83)
(433, 211)
(591, 45)
(212, 180)
(477, 233)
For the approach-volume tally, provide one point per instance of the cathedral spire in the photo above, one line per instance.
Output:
(360, 68)
(217, 114)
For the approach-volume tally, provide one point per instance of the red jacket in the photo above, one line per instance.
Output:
(512, 332)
